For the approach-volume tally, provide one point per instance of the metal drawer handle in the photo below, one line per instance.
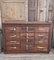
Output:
(13, 36)
(41, 35)
(42, 29)
(13, 47)
(13, 41)
(40, 47)
(40, 41)
(13, 29)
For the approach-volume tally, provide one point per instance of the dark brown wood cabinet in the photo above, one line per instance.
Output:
(27, 37)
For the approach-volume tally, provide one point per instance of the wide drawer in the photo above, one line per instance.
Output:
(13, 49)
(15, 28)
(41, 29)
(41, 48)
(12, 36)
(27, 41)
(16, 42)
(41, 36)
(40, 41)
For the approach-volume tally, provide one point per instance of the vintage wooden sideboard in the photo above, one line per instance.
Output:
(27, 37)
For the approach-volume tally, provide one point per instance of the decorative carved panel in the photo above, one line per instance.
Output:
(14, 10)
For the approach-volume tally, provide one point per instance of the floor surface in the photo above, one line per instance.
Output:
(31, 56)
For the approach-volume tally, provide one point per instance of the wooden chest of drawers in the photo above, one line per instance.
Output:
(27, 37)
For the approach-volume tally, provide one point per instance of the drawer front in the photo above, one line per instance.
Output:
(16, 42)
(41, 48)
(27, 41)
(16, 28)
(23, 35)
(30, 41)
(13, 49)
(30, 35)
(10, 29)
(41, 29)
(12, 36)
(41, 41)
(21, 29)
(31, 28)
(41, 36)
(23, 47)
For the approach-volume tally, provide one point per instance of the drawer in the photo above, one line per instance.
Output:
(13, 49)
(31, 29)
(13, 29)
(41, 41)
(29, 47)
(12, 36)
(22, 29)
(23, 47)
(23, 35)
(10, 29)
(16, 42)
(30, 41)
(41, 49)
(41, 36)
(42, 29)
(30, 35)
(42, 45)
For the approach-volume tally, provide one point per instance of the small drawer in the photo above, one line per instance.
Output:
(22, 29)
(13, 49)
(23, 47)
(23, 35)
(29, 47)
(31, 29)
(41, 41)
(30, 35)
(10, 29)
(42, 45)
(41, 35)
(23, 41)
(41, 49)
(42, 29)
(30, 41)
(12, 42)
(12, 36)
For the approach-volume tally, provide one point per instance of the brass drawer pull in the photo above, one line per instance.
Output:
(40, 47)
(42, 29)
(40, 41)
(13, 47)
(13, 29)
(13, 41)
(13, 36)
(41, 35)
